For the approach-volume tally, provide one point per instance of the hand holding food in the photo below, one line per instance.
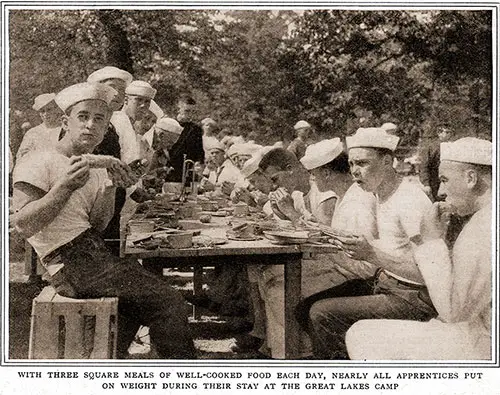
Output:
(121, 174)
(435, 222)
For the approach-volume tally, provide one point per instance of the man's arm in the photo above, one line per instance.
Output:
(27, 145)
(402, 265)
(103, 208)
(35, 209)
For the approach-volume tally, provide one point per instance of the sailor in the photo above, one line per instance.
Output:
(459, 282)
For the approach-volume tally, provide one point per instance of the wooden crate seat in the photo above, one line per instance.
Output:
(67, 328)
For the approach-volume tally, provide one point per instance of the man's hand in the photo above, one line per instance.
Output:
(427, 190)
(435, 221)
(77, 174)
(357, 247)
(241, 195)
(206, 185)
(227, 187)
(284, 202)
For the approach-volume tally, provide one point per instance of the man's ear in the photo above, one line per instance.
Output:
(472, 178)
(64, 122)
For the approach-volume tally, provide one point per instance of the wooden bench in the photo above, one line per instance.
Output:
(66, 328)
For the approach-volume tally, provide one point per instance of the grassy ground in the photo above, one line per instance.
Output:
(213, 335)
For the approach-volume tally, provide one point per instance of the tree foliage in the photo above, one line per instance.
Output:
(261, 71)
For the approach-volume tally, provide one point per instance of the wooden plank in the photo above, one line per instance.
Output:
(44, 332)
(74, 336)
(293, 289)
(102, 332)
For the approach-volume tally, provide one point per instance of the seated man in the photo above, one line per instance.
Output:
(142, 126)
(288, 174)
(399, 291)
(254, 190)
(161, 139)
(61, 204)
(459, 283)
(225, 174)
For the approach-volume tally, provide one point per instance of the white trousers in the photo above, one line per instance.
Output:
(413, 340)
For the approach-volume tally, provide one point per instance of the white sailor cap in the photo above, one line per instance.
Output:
(156, 110)
(84, 91)
(468, 150)
(252, 164)
(321, 153)
(237, 140)
(234, 150)
(247, 149)
(372, 138)
(215, 145)
(208, 121)
(42, 100)
(388, 126)
(301, 125)
(109, 72)
(140, 88)
(169, 125)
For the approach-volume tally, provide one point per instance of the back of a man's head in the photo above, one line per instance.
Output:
(279, 158)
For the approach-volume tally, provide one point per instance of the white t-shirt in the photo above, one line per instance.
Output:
(226, 172)
(38, 138)
(355, 213)
(399, 217)
(129, 147)
(43, 169)
(316, 198)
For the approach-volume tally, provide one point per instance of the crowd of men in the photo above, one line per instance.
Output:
(397, 287)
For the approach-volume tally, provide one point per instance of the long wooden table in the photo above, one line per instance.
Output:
(260, 251)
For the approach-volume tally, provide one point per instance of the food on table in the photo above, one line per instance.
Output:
(205, 218)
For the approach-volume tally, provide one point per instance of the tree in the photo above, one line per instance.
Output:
(392, 64)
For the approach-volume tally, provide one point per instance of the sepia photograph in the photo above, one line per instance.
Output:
(248, 196)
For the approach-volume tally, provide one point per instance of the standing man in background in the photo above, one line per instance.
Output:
(191, 140)
(429, 167)
(47, 133)
(299, 144)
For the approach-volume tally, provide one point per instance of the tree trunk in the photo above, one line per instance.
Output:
(119, 54)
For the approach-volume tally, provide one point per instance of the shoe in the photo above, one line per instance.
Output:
(246, 343)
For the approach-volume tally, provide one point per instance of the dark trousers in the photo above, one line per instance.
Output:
(112, 231)
(91, 271)
(334, 311)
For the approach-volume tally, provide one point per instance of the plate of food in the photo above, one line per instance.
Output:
(292, 237)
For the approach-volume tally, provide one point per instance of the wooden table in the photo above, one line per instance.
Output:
(261, 251)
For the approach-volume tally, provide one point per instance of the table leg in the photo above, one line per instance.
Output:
(293, 279)
(197, 287)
